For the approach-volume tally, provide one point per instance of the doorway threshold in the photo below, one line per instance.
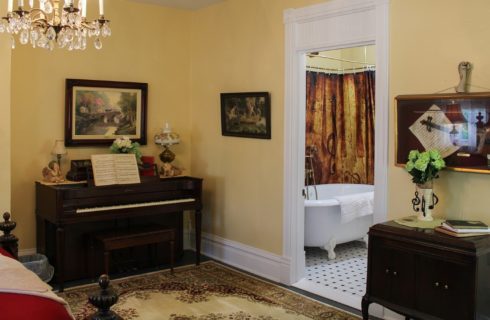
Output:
(347, 299)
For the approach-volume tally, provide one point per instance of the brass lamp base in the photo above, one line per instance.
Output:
(167, 156)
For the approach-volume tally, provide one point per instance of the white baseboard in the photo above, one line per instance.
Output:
(247, 258)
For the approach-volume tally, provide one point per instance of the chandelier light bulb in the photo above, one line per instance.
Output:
(54, 23)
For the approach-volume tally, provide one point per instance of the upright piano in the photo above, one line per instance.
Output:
(67, 213)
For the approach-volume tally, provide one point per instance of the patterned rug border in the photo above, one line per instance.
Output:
(218, 264)
(234, 269)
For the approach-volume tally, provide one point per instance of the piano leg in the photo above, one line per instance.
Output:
(60, 248)
(198, 237)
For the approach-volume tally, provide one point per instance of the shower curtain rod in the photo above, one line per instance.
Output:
(311, 55)
(368, 67)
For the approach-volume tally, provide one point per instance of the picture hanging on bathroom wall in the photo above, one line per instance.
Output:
(457, 125)
(246, 114)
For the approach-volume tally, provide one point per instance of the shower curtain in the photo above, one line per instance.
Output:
(340, 126)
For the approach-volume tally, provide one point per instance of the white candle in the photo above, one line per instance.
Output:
(31, 3)
(10, 5)
(101, 7)
(84, 8)
(21, 3)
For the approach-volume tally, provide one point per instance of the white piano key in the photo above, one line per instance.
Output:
(134, 205)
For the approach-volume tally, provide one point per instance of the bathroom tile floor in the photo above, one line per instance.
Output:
(346, 273)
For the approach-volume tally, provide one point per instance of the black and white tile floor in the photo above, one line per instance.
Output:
(346, 273)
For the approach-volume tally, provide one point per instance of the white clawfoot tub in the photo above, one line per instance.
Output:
(322, 217)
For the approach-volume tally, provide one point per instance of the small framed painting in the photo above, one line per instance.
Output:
(246, 114)
(456, 124)
(97, 112)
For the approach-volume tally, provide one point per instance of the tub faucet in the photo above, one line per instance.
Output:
(310, 172)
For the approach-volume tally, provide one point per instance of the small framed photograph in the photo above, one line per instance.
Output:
(97, 112)
(457, 125)
(246, 114)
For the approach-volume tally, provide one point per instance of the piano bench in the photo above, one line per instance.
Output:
(133, 237)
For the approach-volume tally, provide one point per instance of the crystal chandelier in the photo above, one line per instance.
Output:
(49, 24)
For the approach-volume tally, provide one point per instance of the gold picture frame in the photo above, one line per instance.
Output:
(457, 125)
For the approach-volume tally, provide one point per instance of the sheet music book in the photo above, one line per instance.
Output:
(115, 169)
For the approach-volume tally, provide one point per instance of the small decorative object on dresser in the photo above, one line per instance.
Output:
(424, 167)
(424, 274)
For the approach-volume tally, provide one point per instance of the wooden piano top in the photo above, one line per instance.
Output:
(62, 203)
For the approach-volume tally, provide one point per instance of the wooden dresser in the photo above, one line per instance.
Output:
(423, 274)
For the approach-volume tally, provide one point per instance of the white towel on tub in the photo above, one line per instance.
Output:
(355, 205)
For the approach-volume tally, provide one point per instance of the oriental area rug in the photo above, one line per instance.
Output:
(210, 291)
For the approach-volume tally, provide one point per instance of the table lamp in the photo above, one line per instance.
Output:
(166, 139)
(59, 150)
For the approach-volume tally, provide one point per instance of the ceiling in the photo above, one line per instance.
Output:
(182, 4)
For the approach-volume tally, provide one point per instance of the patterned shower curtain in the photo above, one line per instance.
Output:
(340, 126)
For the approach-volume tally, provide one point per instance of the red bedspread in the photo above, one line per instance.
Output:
(26, 307)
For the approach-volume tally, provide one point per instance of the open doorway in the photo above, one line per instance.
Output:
(324, 27)
(339, 171)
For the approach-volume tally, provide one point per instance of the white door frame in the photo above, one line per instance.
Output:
(332, 25)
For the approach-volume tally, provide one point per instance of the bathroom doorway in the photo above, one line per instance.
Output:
(336, 24)
(339, 171)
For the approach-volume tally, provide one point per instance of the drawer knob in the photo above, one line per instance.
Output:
(446, 287)
(395, 273)
(436, 284)
(387, 271)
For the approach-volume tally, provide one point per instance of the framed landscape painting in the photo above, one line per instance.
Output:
(246, 114)
(97, 112)
(455, 124)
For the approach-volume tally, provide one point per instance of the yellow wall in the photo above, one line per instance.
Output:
(189, 58)
(4, 119)
(149, 44)
(428, 40)
(238, 46)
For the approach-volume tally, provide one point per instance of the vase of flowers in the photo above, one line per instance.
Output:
(424, 167)
(125, 145)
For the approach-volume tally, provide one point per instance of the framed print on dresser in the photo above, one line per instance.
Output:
(97, 112)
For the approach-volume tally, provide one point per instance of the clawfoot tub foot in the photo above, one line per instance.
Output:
(330, 246)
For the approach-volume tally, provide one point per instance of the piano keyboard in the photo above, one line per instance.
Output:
(134, 205)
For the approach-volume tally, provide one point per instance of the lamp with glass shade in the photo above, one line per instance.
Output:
(166, 139)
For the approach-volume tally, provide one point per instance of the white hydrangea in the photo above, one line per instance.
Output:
(125, 142)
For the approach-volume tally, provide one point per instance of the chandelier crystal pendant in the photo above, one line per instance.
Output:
(50, 24)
